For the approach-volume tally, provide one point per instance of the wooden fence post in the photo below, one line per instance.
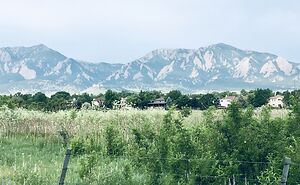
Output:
(233, 180)
(65, 167)
(286, 165)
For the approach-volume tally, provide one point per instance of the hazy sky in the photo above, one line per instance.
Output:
(123, 30)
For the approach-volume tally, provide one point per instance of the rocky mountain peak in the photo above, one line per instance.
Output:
(218, 66)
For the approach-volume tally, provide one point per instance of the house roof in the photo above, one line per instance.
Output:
(97, 99)
(228, 98)
(277, 96)
(159, 101)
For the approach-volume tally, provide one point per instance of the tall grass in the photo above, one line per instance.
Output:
(33, 143)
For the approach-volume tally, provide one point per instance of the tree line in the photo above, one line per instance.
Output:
(63, 100)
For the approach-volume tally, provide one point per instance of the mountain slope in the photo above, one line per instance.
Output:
(41, 68)
(216, 66)
(219, 67)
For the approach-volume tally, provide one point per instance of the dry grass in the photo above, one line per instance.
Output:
(90, 121)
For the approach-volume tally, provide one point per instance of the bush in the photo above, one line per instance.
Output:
(114, 143)
(77, 146)
(186, 111)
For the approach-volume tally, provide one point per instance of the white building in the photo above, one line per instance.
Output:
(276, 101)
(121, 104)
(97, 103)
(225, 102)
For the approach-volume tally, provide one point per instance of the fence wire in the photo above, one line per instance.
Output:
(51, 172)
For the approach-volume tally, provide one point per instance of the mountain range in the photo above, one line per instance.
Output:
(215, 67)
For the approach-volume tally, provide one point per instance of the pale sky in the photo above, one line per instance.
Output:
(124, 30)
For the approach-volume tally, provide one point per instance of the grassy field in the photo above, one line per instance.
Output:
(33, 143)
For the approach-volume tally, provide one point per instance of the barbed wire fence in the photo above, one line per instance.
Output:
(64, 172)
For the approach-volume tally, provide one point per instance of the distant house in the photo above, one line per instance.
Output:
(120, 104)
(276, 101)
(97, 103)
(226, 101)
(160, 102)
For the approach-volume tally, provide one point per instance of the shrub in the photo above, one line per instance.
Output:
(114, 143)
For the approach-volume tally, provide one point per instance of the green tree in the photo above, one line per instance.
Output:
(207, 100)
(59, 101)
(61, 95)
(39, 101)
(39, 97)
(261, 97)
(142, 99)
(175, 95)
(82, 98)
(183, 101)
(110, 97)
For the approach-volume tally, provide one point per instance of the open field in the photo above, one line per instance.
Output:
(127, 147)
(83, 122)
